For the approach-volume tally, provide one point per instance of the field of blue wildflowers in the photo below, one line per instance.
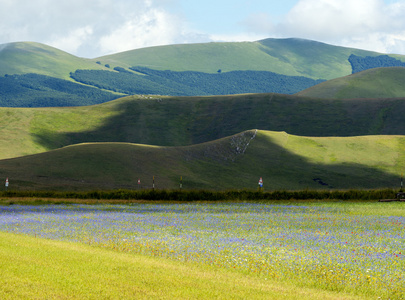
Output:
(324, 246)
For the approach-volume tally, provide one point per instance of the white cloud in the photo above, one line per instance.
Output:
(366, 24)
(241, 37)
(154, 27)
(88, 28)
(337, 18)
(259, 23)
(73, 40)
(93, 28)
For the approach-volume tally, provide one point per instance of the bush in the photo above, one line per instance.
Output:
(207, 195)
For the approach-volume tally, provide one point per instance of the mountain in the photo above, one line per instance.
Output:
(292, 57)
(372, 83)
(36, 75)
(283, 161)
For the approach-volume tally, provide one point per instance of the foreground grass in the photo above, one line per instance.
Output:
(34, 268)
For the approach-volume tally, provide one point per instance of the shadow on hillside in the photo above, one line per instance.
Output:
(185, 121)
(282, 169)
(219, 165)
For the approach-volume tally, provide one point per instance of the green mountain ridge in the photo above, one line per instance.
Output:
(292, 57)
(272, 65)
(283, 161)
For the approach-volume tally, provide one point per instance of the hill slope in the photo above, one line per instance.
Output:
(273, 65)
(293, 57)
(284, 161)
(180, 121)
(372, 83)
(31, 57)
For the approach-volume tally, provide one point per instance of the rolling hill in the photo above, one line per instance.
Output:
(36, 75)
(30, 57)
(183, 121)
(372, 83)
(347, 132)
(292, 57)
(284, 161)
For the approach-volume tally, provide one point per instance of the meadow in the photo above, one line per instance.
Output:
(330, 249)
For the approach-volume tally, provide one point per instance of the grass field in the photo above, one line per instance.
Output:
(373, 83)
(272, 250)
(181, 121)
(61, 270)
(237, 162)
(294, 57)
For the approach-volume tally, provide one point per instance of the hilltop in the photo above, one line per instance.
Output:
(236, 162)
(292, 57)
(30, 57)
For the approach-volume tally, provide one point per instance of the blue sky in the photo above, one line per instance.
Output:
(93, 28)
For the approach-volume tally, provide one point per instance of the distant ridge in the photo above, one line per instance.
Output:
(268, 66)
(292, 57)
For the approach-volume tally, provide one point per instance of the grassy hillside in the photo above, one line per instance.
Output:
(284, 161)
(373, 83)
(30, 57)
(272, 65)
(180, 121)
(294, 57)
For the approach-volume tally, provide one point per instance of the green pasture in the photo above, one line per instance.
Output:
(182, 121)
(31, 57)
(373, 83)
(284, 161)
(292, 57)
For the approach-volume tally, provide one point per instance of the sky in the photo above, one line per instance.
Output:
(92, 28)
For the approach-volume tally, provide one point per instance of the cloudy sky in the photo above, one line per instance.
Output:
(91, 28)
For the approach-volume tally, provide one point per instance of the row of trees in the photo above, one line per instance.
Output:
(129, 83)
(234, 82)
(359, 63)
(33, 90)
(189, 83)
(208, 195)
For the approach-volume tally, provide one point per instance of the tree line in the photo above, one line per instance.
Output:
(34, 90)
(360, 64)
